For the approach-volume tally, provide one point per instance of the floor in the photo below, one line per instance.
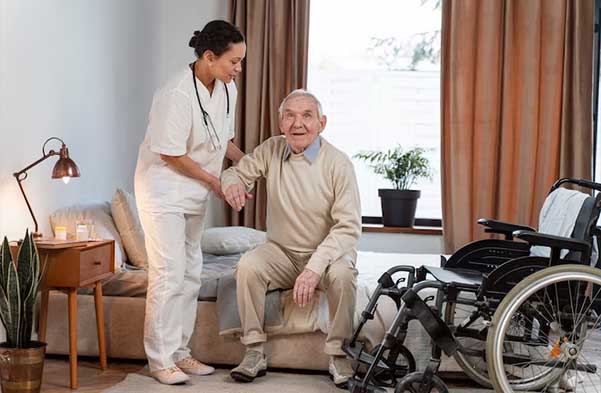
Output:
(92, 379)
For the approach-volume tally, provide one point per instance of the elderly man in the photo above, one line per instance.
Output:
(313, 223)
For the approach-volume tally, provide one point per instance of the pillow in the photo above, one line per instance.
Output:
(127, 221)
(100, 214)
(231, 240)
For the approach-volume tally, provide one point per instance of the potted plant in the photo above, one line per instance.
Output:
(21, 359)
(402, 168)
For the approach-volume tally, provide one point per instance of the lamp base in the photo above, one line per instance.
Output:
(37, 235)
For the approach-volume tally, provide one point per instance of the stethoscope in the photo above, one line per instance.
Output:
(215, 141)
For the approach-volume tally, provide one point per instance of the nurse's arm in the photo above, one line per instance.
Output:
(188, 167)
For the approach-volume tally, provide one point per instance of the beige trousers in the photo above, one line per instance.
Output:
(270, 267)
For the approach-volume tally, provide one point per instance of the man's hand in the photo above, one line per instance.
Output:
(215, 184)
(304, 287)
(236, 196)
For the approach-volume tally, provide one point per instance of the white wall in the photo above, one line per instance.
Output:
(85, 71)
(401, 243)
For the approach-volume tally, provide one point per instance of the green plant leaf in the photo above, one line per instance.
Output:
(14, 301)
(401, 168)
(6, 259)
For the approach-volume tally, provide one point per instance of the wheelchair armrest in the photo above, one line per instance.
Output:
(505, 228)
(557, 242)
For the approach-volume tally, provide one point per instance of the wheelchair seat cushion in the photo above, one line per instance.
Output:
(459, 277)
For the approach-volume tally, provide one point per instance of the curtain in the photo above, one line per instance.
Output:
(516, 107)
(277, 35)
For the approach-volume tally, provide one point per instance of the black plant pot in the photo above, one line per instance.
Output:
(398, 207)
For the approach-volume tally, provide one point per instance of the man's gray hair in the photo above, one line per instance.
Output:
(301, 93)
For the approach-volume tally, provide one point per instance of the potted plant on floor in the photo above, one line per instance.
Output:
(21, 359)
(403, 169)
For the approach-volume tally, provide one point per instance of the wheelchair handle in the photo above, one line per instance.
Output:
(580, 182)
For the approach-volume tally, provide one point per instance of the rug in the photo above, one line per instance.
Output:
(278, 382)
(220, 382)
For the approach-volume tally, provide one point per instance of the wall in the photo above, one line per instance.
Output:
(85, 71)
(401, 243)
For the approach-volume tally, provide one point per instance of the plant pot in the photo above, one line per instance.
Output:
(21, 368)
(398, 207)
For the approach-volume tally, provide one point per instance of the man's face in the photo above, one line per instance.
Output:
(300, 122)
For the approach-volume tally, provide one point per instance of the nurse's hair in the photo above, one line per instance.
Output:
(301, 93)
(217, 36)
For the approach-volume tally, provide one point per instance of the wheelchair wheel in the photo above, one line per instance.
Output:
(467, 323)
(400, 361)
(411, 384)
(548, 324)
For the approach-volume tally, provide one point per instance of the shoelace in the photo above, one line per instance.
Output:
(191, 362)
(173, 370)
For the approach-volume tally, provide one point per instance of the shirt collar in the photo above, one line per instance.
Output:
(310, 152)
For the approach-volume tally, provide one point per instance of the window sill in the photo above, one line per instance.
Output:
(374, 228)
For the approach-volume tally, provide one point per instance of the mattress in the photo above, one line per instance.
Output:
(132, 282)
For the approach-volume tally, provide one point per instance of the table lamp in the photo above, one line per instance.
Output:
(64, 169)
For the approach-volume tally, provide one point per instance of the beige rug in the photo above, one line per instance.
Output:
(220, 382)
(277, 382)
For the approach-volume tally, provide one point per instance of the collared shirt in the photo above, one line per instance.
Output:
(310, 152)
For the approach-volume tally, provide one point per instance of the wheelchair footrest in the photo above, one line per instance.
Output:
(357, 353)
(355, 385)
(432, 323)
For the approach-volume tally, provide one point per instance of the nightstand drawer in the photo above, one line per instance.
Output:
(94, 262)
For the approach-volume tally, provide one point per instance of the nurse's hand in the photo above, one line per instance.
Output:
(236, 196)
(216, 187)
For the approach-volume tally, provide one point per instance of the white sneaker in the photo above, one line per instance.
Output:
(170, 376)
(192, 366)
(341, 370)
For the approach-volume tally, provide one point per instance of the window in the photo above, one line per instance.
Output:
(596, 101)
(376, 68)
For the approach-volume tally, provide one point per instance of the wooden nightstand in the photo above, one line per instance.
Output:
(69, 269)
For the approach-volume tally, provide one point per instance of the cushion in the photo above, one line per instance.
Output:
(127, 221)
(231, 240)
(100, 215)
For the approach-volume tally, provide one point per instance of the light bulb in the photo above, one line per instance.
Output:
(66, 179)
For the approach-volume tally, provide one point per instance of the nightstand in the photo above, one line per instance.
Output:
(71, 268)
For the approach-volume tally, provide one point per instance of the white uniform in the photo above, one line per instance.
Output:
(172, 208)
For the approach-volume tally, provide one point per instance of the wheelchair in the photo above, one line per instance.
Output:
(513, 321)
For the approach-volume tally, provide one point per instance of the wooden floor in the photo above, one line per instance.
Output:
(90, 377)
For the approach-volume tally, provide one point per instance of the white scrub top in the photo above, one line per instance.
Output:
(175, 128)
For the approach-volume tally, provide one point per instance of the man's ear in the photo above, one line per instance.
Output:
(323, 121)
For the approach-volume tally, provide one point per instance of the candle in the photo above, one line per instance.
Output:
(81, 232)
(60, 233)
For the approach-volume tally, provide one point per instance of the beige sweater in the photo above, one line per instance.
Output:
(311, 208)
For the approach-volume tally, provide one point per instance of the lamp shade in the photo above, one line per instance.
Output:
(65, 167)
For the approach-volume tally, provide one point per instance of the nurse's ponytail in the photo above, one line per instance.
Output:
(216, 36)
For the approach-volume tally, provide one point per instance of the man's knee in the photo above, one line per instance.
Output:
(342, 278)
(249, 267)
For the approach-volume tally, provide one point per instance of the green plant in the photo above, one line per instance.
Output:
(402, 168)
(19, 283)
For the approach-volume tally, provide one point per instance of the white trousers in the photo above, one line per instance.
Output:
(174, 267)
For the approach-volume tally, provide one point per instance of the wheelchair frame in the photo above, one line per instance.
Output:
(488, 269)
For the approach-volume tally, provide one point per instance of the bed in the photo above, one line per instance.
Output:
(297, 343)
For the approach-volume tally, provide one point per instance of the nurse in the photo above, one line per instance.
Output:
(191, 124)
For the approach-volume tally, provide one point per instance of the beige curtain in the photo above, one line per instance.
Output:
(277, 36)
(516, 107)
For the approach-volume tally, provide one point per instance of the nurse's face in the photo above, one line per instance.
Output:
(227, 66)
(300, 122)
